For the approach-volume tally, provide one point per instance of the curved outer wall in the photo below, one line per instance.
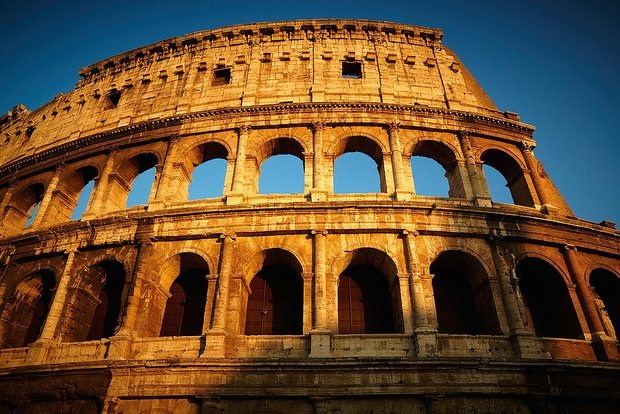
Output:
(390, 301)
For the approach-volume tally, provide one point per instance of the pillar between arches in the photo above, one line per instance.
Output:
(216, 336)
(100, 190)
(37, 352)
(539, 185)
(425, 336)
(481, 194)
(236, 194)
(524, 343)
(320, 335)
(400, 193)
(47, 197)
(605, 348)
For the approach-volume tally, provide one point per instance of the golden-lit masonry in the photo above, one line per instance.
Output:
(314, 302)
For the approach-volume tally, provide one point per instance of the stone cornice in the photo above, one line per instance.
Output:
(318, 108)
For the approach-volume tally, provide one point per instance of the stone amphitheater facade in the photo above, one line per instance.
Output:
(315, 302)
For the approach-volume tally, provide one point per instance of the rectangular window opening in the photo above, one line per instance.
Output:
(351, 70)
(221, 76)
(112, 99)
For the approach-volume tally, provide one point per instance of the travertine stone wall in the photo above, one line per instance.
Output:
(489, 307)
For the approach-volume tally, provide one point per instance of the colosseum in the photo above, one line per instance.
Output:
(313, 302)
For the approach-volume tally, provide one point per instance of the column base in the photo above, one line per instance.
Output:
(215, 344)
(320, 343)
(550, 210)
(234, 198)
(425, 340)
(606, 348)
(525, 345)
(318, 196)
(483, 202)
(402, 196)
(37, 352)
(156, 205)
(119, 347)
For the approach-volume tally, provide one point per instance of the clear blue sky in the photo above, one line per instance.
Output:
(553, 62)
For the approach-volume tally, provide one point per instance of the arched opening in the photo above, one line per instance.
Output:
(80, 190)
(275, 302)
(498, 188)
(131, 184)
(26, 311)
(105, 316)
(606, 290)
(281, 167)
(513, 175)
(358, 167)
(429, 177)
(435, 170)
(463, 297)
(208, 179)
(548, 304)
(185, 308)
(141, 188)
(369, 295)
(208, 166)
(71, 196)
(23, 208)
(281, 174)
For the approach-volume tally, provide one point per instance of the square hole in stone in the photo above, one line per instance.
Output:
(352, 70)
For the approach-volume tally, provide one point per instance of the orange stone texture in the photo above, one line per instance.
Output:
(316, 302)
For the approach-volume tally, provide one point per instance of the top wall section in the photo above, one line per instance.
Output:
(249, 65)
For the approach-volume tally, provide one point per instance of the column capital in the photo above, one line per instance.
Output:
(175, 138)
(496, 235)
(569, 248)
(463, 134)
(318, 126)
(527, 146)
(244, 129)
(393, 126)
(228, 235)
(314, 232)
(411, 232)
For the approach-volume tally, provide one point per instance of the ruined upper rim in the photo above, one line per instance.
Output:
(249, 29)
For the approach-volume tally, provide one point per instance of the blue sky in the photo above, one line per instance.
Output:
(553, 62)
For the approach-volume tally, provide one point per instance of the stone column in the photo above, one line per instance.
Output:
(474, 172)
(216, 336)
(509, 297)
(101, 187)
(400, 193)
(583, 291)
(38, 350)
(8, 196)
(58, 303)
(221, 296)
(163, 191)
(524, 343)
(47, 197)
(238, 184)
(320, 335)
(420, 318)
(143, 260)
(425, 335)
(319, 193)
(539, 185)
(211, 288)
(404, 288)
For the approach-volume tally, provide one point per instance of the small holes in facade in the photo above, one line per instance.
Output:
(221, 76)
(352, 70)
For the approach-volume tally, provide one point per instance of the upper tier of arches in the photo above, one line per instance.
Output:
(174, 164)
